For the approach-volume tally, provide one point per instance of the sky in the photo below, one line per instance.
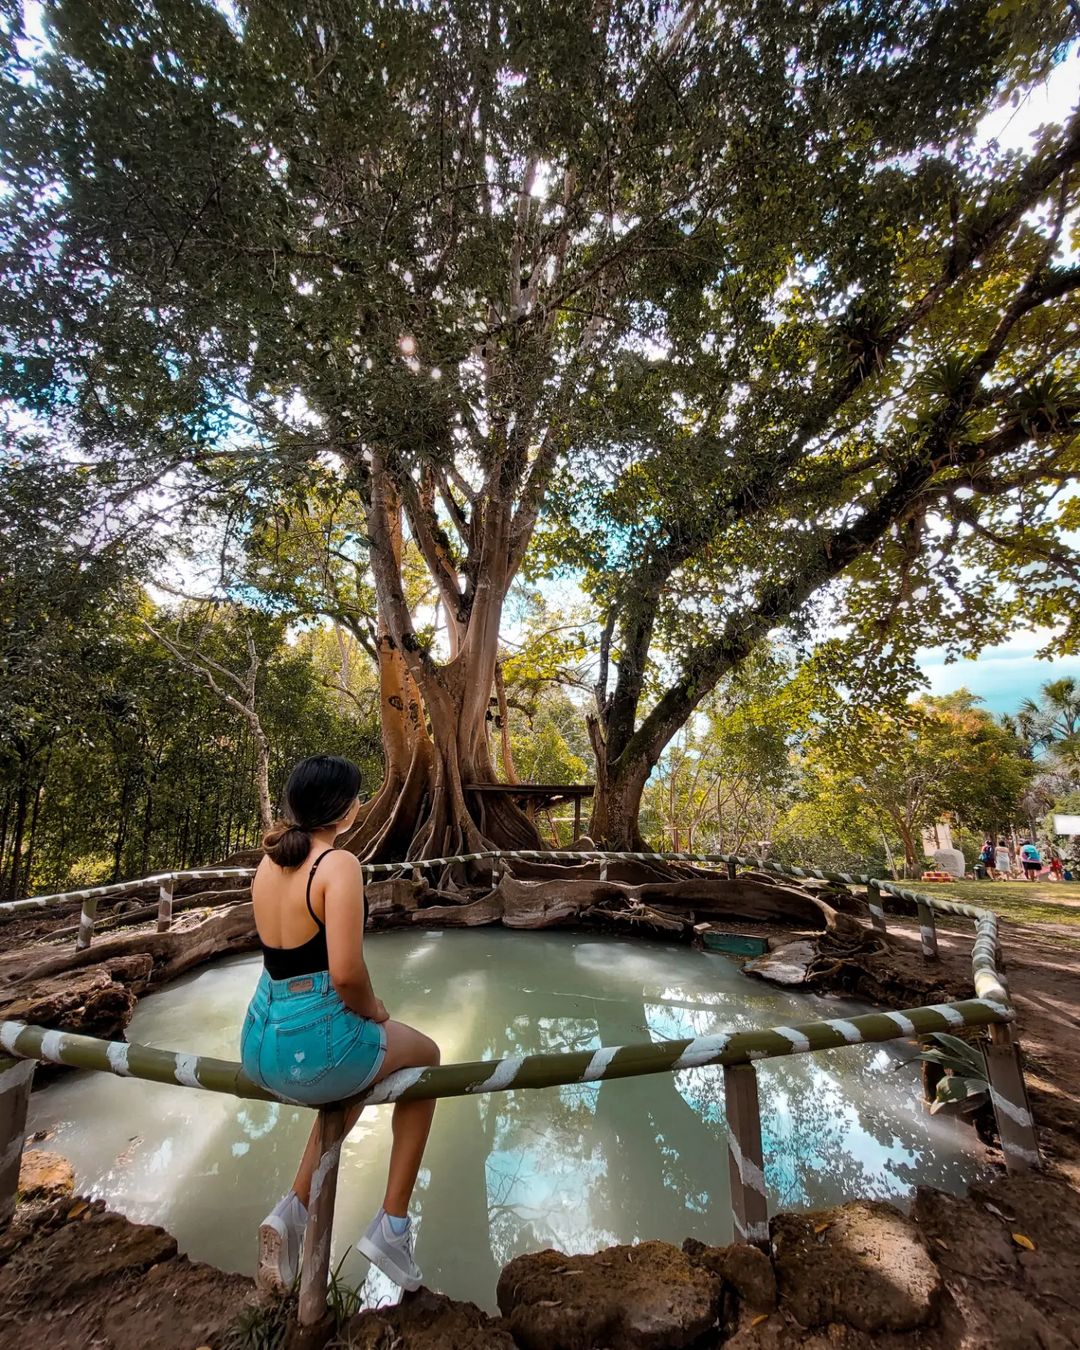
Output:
(1003, 675)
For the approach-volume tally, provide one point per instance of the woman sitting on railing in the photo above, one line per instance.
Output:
(315, 1032)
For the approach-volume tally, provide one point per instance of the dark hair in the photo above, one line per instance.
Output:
(320, 791)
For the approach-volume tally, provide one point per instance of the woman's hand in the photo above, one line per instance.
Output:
(380, 1014)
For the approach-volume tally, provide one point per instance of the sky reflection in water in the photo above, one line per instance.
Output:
(574, 1167)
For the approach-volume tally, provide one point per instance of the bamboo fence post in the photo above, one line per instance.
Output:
(16, 1079)
(1008, 1093)
(85, 935)
(749, 1204)
(315, 1270)
(927, 930)
(165, 903)
(877, 907)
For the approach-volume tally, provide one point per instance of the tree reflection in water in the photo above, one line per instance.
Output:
(575, 1167)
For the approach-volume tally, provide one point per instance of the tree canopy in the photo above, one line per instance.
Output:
(687, 280)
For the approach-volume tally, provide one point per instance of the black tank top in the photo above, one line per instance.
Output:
(311, 957)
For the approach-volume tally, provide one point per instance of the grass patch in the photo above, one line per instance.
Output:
(1027, 902)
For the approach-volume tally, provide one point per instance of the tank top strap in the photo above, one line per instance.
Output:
(311, 878)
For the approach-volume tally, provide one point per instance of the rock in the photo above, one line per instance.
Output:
(426, 1321)
(649, 1296)
(786, 965)
(980, 1228)
(398, 895)
(96, 1002)
(950, 860)
(862, 1264)
(45, 1176)
(177, 1305)
(745, 1270)
(80, 1257)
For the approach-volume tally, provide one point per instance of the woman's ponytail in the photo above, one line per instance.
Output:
(287, 843)
(320, 792)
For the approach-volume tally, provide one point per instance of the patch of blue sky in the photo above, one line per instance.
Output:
(1004, 674)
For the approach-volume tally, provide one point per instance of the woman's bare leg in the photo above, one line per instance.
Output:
(406, 1048)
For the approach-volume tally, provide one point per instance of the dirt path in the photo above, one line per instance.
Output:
(1042, 969)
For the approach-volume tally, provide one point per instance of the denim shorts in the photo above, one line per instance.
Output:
(302, 1043)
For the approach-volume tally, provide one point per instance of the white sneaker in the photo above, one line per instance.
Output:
(281, 1239)
(391, 1252)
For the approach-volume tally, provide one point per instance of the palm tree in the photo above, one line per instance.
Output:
(1053, 723)
(1056, 716)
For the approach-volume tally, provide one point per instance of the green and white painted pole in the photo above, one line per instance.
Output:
(16, 1080)
(746, 1163)
(165, 904)
(876, 907)
(85, 936)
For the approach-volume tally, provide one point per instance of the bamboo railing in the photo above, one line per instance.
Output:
(734, 1052)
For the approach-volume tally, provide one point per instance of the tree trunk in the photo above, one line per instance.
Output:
(262, 774)
(17, 841)
(28, 870)
(509, 771)
(616, 806)
(433, 718)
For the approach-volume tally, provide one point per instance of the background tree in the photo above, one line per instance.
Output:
(63, 583)
(420, 249)
(942, 758)
(866, 419)
(114, 760)
(1053, 722)
(730, 775)
(237, 690)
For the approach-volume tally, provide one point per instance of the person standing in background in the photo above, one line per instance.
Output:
(1003, 862)
(1030, 859)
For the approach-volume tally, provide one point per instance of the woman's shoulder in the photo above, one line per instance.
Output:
(342, 865)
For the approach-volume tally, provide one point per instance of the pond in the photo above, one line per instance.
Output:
(576, 1167)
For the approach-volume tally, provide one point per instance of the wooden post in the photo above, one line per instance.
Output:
(877, 908)
(165, 899)
(732, 870)
(749, 1205)
(1008, 1093)
(927, 931)
(16, 1079)
(315, 1271)
(85, 935)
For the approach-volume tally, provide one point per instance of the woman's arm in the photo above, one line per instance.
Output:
(344, 881)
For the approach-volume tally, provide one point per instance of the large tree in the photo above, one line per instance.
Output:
(878, 437)
(419, 248)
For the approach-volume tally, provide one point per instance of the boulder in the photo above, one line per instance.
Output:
(45, 1177)
(178, 1305)
(746, 1269)
(649, 1296)
(784, 965)
(863, 1265)
(80, 1257)
(426, 1321)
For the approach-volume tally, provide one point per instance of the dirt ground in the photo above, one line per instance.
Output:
(951, 1276)
(1040, 936)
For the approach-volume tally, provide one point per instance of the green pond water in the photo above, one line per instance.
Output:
(576, 1167)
